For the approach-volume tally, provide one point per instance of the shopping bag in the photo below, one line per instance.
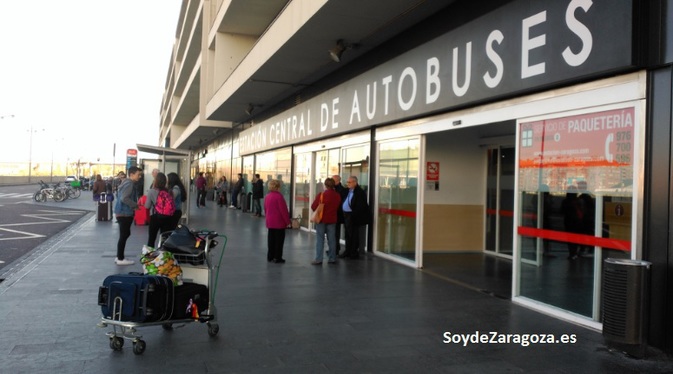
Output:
(158, 262)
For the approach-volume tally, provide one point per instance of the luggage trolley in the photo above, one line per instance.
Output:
(198, 266)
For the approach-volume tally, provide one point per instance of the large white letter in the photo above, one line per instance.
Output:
(407, 72)
(493, 81)
(386, 82)
(371, 99)
(432, 81)
(577, 59)
(324, 115)
(458, 90)
(355, 108)
(335, 112)
(527, 44)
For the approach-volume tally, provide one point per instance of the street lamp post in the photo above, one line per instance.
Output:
(51, 168)
(30, 153)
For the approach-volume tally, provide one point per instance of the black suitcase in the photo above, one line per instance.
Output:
(139, 297)
(104, 207)
(186, 297)
(245, 202)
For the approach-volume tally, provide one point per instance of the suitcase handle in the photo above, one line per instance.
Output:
(103, 295)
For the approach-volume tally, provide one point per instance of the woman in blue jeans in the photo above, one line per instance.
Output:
(327, 225)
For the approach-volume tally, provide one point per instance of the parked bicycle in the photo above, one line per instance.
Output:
(48, 192)
(70, 191)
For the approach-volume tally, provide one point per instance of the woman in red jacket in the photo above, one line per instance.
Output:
(277, 220)
(327, 225)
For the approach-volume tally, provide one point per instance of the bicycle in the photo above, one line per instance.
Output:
(70, 191)
(47, 192)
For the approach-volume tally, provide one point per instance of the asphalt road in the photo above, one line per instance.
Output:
(25, 224)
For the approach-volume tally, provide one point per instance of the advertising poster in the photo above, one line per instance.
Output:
(591, 152)
(131, 158)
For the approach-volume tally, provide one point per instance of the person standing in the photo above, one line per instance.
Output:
(257, 194)
(200, 184)
(155, 171)
(238, 189)
(161, 204)
(98, 187)
(331, 200)
(356, 214)
(343, 192)
(277, 220)
(210, 187)
(124, 209)
(179, 195)
(222, 188)
(572, 219)
(117, 181)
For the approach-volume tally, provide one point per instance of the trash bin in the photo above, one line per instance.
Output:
(625, 303)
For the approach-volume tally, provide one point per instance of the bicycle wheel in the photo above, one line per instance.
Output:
(59, 196)
(40, 197)
(74, 193)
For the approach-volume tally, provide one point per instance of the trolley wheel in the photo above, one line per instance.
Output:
(116, 343)
(139, 347)
(167, 326)
(213, 329)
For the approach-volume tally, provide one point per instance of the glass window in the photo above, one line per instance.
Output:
(576, 193)
(397, 197)
(302, 188)
(272, 165)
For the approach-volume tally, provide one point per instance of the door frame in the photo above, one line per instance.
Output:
(418, 252)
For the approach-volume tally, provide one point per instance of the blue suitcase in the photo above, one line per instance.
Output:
(136, 297)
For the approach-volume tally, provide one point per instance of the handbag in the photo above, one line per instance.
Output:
(182, 240)
(317, 215)
(296, 222)
(187, 247)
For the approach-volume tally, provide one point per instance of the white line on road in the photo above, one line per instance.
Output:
(15, 195)
(28, 235)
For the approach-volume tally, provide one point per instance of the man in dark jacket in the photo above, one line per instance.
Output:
(343, 192)
(239, 188)
(356, 214)
(257, 195)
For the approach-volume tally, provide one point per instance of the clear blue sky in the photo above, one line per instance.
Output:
(85, 74)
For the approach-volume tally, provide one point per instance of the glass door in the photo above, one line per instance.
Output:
(397, 197)
(302, 187)
(500, 200)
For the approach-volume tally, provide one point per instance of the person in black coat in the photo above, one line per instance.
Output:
(572, 219)
(257, 195)
(343, 192)
(356, 214)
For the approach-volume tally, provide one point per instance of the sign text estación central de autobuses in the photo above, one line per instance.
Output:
(520, 46)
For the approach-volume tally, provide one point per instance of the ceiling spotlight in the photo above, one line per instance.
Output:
(336, 51)
(249, 109)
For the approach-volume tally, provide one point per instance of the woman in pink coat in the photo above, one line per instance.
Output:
(277, 220)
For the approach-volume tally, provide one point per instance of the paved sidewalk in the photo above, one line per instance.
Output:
(361, 316)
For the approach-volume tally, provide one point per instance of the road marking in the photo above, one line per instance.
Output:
(28, 235)
(43, 215)
(14, 195)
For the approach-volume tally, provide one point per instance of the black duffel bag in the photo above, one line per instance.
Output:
(186, 246)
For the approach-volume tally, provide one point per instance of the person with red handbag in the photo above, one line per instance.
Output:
(325, 207)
